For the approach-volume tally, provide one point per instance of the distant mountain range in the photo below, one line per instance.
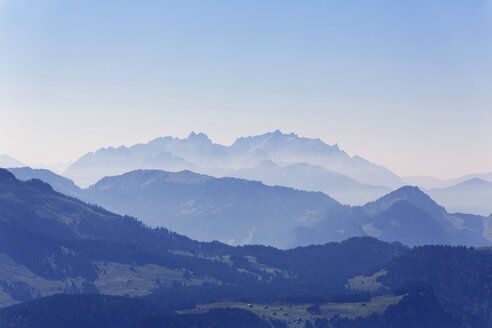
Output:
(471, 193)
(428, 182)
(407, 215)
(297, 162)
(470, 196)
(276, 159)
(243, 212)
(7, 161)
(309, 177)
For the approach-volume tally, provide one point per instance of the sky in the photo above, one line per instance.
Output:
(404, 84)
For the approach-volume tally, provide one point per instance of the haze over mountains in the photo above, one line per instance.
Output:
(134, 222)
(279, 159)
(470, 196)
(407, 215)
(471, 193)
(309, 161)
(309, 177)
(231, 210)
(432, 183)
(51, 244)
(238, 211)
(7, 161)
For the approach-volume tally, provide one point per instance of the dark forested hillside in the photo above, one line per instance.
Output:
(419, 308)
(54, 244)
(463, 275)
(77, 311)
(96, 311)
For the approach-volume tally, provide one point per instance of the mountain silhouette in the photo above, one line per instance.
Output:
(58, 182)
(6, 161)
(310, 177)
(231, 210)
(239, 211)
(471, 196)
(407, 215)
(199, 154)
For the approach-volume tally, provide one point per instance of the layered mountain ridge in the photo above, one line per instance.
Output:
(8, 161)
(239, 211)
(470, 196)
(407, 215)
(231, 210)
(276, 159)
(198, 153)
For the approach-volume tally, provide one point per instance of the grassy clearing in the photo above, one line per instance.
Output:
(114, 279)
(366, 284)
(13, 272)
(292, 312)
(124, 279)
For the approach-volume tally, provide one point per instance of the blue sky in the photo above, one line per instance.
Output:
(406, 84)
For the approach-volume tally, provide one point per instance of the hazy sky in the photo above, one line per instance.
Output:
(405, 84)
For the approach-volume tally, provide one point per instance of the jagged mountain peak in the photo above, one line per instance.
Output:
(278, 136)
(277, 133)
(110, 149)
(288, 149)
(198, 153)
(193, 137)
(199, 137)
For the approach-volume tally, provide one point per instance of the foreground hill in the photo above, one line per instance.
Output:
(419, 308)
(431, 286)
(407, 215)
